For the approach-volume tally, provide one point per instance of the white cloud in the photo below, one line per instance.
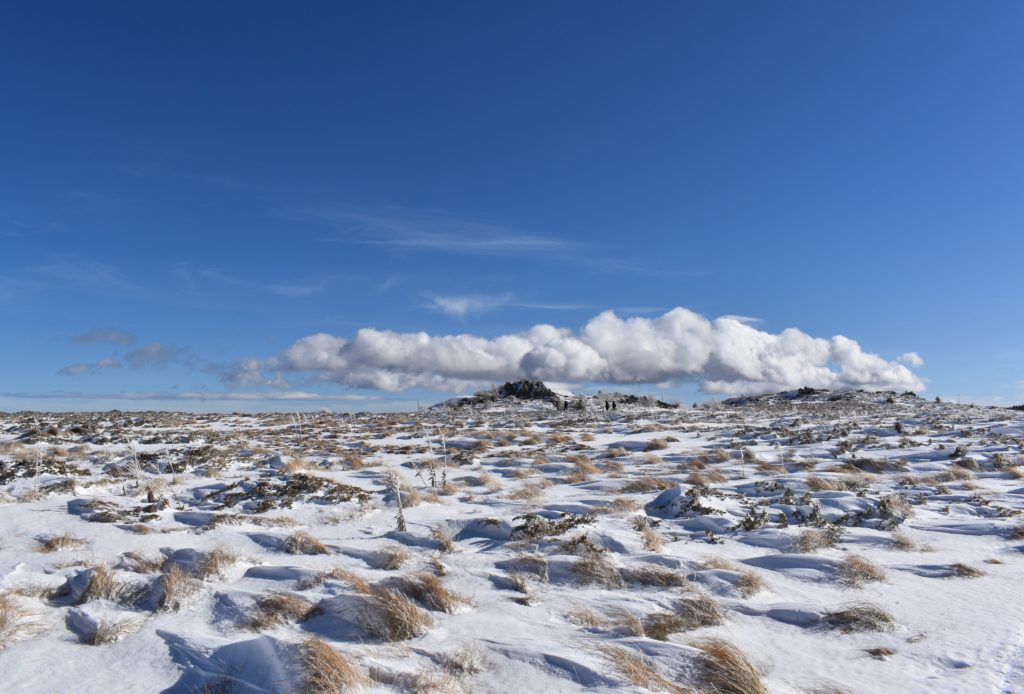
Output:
(911, 359)
(461, 306)
(104, 335)
(725, 355)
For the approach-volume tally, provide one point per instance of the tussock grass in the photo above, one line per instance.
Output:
(102, 586)
(726, 670)
(585, 617)
(638, 670)
(278, 608)
(110, 630)
(750, 582)
(394, 557)
(390, 616)
(645, 485)
(813, 539)
(856, 570)
(653, 575)
(428, 590)
(327, 671)
(860, 616)
(302, 542)
(176, 586)
(445, 542)
(16, 621)
(656, 445)
(961, 570)
(595, 569)
(466, 660)
(59, 542)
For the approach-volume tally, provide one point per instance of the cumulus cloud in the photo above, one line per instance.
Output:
(911, 359)
(723, 355)
(153, 354)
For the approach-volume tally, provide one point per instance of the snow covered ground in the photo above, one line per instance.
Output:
(833, 542)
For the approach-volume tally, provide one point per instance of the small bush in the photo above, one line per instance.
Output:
(596, 570)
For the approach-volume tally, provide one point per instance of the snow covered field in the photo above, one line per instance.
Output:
(812, 542)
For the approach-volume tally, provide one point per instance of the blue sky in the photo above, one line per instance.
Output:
(186, 185)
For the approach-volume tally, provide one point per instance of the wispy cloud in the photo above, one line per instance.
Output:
(432, 232)
(104, 335)
(154, 354)
(460, 306)
(83, 368)
(193, 277)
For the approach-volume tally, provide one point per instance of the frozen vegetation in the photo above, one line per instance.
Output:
(807, 541)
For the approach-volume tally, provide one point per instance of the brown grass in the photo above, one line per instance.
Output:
(584, 617)
(653, 575)
(656, 445)
(860, 616)
(302, 542)
(394, 557)
(645, 485)
(856, 570)
(965, 571)
(428, 590)
(102, 586)
(16, 622)
(594, 569)
(328, 671)
(58, 542)
(445, 542)
(277, 608)
(390, 616)
(177, 586)
(726, 670)
(638, 670)
(653, 541)
(112, 630)
(213, 563)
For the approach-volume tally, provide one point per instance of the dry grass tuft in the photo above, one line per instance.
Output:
(860, 616)
(965, 571)
(112, 630)
(653, 575)
(653, 541)
(645, 485)
(390, 616)
(176, 587)
(56, 543)
(856, 570)
(813, 539)
(466, 660)
(16, 622)
(726, 670)
(699, 610)
(278, 608)
(428, 590)
(327, 671)
(638, 670)
(584, 617)
(302, 542)
(445, 542)
(102, 586)
(902, 542)
(594, 569)
(394, 557)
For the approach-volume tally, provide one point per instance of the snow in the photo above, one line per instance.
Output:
(532, 495)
